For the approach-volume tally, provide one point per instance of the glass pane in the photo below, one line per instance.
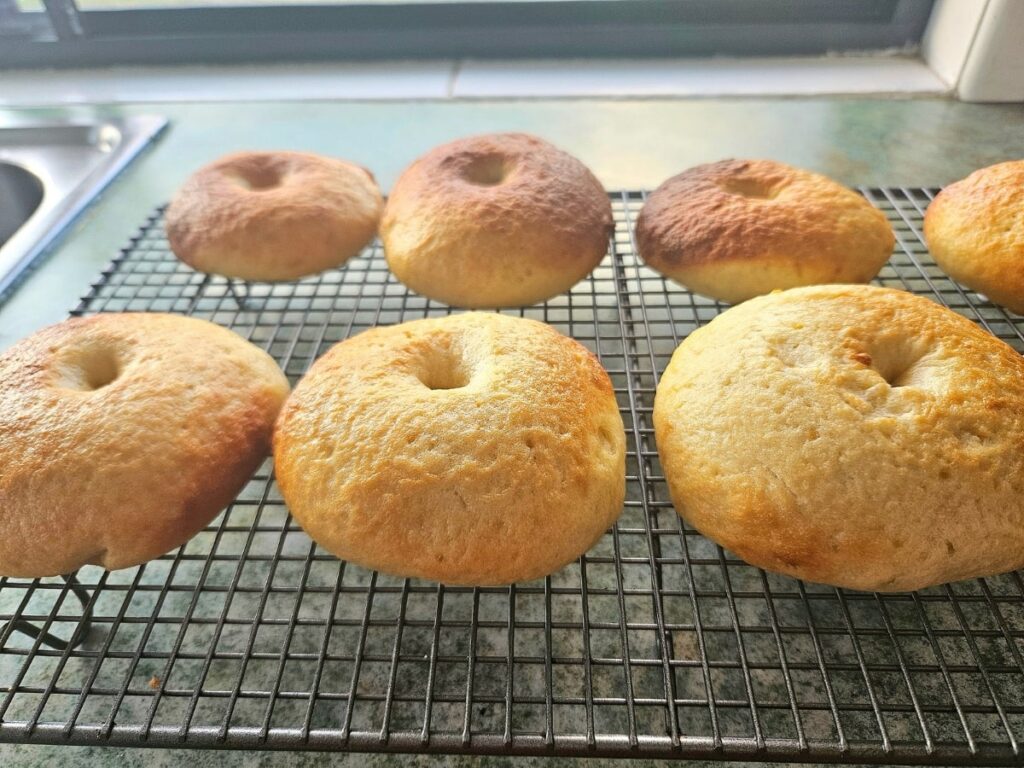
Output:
(92, 5)
(194, 29)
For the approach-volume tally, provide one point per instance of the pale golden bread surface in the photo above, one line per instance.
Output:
(273, 215)
(497, 220)
(975, 231)
(122, 435)
(736, 229)
(851, 435)
(471, 449)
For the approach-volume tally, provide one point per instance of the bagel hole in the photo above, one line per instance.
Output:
(607, 439)
(486, 171)
(444, 368)
(745, 186)
(973, 435)
(91, 369)
(896, 361)
(259, 179)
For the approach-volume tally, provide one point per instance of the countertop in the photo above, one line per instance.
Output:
(921, 142)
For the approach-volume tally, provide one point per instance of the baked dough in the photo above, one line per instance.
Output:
(851, 435)
(273, 215)
(975, 231)
(471, 449)
(500, 220)
(123, 435)
(741, 228)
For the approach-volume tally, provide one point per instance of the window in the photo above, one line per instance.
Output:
(99, 32)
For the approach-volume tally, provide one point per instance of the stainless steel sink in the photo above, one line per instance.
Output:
(50, 172)
(21, 192)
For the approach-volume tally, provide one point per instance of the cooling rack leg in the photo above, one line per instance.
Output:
(47, 638)
(239, 290)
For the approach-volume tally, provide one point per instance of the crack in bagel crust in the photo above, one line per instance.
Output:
(505, 477)
(844, 434)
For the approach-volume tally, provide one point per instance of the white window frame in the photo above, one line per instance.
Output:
(977, 47)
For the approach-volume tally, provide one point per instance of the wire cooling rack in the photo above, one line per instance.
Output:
(656, 643)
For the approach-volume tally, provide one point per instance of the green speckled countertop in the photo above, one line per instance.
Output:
(631, 144)
(628, 144)
(80, 757)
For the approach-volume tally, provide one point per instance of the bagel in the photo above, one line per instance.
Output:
(273, 215)
(499, 220)
(472, 449)
(123, 435)
(975, 232)
(736, 229)
(856, 436)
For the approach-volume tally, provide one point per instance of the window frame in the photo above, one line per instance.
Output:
(462, 29)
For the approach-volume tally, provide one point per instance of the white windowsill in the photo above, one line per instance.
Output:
(698, 77)
(474, 79)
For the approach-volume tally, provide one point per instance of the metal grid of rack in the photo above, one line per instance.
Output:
(656, 643)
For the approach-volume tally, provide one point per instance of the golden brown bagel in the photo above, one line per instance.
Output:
(499, 220)
(273, 215)
(741, 228)
(851, 435)
(472, 449)
(122, 435)
(975, 231)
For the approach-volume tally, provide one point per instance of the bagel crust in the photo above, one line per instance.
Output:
(499, 220)
(471, 449)
(123, 435)
(857, 436)
(975, 231)
(273, 215)
(736, 229)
